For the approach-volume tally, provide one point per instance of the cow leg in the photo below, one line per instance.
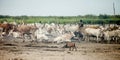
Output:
(86, 38)
(97, 39)
(72, 48)
(75, 48)
(108, 40)
(32, 38)
(116, 40)
(69, 48)
(36, 39)
(23, 38)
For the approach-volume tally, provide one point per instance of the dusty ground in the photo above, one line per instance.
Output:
(14, 50)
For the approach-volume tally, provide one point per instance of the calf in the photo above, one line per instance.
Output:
(71, 45)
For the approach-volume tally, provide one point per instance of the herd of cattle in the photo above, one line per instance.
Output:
(59, 33)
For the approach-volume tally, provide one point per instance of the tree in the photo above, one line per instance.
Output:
(103, 16)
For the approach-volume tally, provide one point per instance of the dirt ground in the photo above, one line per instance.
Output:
(17, 50)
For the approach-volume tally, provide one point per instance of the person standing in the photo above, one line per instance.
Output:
(80, 24)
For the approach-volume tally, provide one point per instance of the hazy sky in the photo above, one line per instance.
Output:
(58, 7)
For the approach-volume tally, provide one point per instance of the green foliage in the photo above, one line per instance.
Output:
(87, 19)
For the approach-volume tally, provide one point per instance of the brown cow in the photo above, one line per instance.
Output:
(6, 27)
(27, 29)
(71, 45)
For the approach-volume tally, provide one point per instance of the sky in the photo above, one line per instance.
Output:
(58, 7)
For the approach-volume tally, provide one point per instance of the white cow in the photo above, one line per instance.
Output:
(41, 37)
(64, 38)
(72, 28)
(92, 31)
(114, 34)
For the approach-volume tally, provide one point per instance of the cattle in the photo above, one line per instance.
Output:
(92, 31)
(108, 35)
(14, 34)
(26, 30)
(113, 27)
(64, 38)
(71, 45)
(50, 27)
(117, 37)
(93, 26)
(5, 22)
(41, 37)
(14, 23)
(60, 33)
(88, 32)
(112, 35)
(71, 28)
(6, 27)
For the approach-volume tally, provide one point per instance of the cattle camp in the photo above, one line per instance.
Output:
(59, 29)
(63, 38)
